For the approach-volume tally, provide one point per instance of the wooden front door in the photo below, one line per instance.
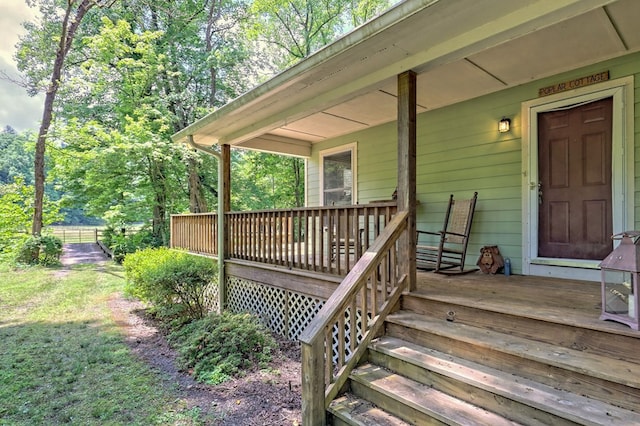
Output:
(574, 169)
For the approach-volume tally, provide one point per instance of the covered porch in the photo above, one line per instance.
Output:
(415, 97)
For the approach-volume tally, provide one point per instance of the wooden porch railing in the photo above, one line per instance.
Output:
(372, 288)
(320, 239)
(196, 232)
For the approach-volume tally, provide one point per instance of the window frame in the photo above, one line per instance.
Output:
(352, 148)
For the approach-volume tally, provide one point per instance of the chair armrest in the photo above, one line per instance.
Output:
(457, 234)
(429, 232)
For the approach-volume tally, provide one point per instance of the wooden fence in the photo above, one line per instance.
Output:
(70, 235)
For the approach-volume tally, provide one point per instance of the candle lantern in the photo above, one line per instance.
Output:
(620, 276)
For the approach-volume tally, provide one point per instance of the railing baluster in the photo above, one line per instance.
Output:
(374, 293)
(328, 347)
(365, 307)
(269, 236)
(321, 246)
(341, 340)
(353, 326)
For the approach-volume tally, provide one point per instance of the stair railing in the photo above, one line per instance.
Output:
(338, 336)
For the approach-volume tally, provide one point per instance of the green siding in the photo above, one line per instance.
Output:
(460, 151)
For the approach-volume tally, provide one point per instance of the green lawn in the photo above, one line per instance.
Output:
(63, 360)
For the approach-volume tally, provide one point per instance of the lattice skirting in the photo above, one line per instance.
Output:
(284, 312)
(211, 297)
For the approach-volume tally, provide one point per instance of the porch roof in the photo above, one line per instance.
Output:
(460, 49)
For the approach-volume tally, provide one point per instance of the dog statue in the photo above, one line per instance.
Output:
(490, 260)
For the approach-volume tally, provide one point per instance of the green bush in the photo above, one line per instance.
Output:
(175, 282)
(218, 347)
(45, 250)
(107, 236)
(121, 243)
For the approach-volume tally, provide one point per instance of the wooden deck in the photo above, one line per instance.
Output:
(570, 302)
(482, 349)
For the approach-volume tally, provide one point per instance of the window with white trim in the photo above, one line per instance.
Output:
(338, 176)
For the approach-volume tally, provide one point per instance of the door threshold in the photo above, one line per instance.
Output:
(566, 269)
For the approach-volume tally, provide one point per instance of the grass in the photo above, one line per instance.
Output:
(64, 360)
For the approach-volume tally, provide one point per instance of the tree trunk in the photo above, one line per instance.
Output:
(197, 201)
(67, 33)
(160, 226)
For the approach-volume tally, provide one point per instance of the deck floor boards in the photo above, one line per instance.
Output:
(569, 301)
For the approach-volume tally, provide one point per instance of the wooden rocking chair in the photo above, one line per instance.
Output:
(451, 249)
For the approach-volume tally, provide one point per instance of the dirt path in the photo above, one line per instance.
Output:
(82, 253)
(263, 397)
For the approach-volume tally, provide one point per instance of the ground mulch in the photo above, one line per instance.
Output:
(262, 397)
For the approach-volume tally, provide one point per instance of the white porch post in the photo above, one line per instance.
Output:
(407, 173)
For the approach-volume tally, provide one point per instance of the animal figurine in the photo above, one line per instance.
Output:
(490, 260)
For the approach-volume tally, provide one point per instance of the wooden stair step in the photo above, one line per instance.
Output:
(616, 371)
(351, 410)
(568, 327)
(422, 401)
(562, 404)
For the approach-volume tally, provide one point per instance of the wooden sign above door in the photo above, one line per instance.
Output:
(574, 83)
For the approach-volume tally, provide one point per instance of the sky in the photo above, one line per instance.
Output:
(17, 109)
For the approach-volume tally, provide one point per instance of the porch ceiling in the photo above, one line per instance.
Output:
(460, 49)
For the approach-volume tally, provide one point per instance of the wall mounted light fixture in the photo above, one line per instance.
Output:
(504, 125)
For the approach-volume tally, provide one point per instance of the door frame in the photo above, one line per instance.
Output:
(621, 90)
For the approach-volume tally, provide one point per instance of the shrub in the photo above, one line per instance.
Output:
(50, 250)
(44, 250)
(175, 282)
(220, 346)
(107, 236)
(121, 244)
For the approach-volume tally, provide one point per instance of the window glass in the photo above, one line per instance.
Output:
(337, 179)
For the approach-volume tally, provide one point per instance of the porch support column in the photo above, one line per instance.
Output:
(225, 151)
(225, 199)
(407, 173)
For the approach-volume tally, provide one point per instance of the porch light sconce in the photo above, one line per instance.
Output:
(504, 125)
(620, 276)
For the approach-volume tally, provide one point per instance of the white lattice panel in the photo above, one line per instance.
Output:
(302, 309)
(287, 313)
(284, 312)
(211, 297)
(268, 303)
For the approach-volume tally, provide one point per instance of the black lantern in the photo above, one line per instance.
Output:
(620, 276)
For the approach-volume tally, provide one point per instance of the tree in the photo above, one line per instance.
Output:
(136, 74)
(297, 28)
(266, 181)
(16, 160)
(129, 165)
(74, 12)
(16, 212)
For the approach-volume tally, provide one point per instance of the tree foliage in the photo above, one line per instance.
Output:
(16, 212)
(297, 28)
(266, 181)
(120, 80)
(69, 21)
(16, 160)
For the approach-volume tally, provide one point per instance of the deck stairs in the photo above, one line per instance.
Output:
(457, 362)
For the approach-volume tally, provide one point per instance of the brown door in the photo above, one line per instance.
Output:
(574, 168)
